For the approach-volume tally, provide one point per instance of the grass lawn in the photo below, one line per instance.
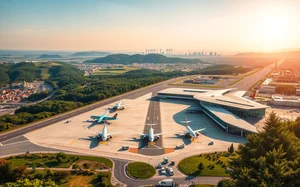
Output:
(50, 161)
(140, 170)
(213, 165)
(113, 71)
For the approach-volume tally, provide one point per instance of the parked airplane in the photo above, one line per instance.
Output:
(190, 131)
(104, 117)
(105, 135)
(118, 106)
(151, 136)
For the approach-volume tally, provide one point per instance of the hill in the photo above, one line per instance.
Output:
(91, 53)
(277, 54)
(137, 58)
(50, 56)
(28, 71)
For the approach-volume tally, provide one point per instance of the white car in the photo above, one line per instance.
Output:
(171, 171)
(163, 171)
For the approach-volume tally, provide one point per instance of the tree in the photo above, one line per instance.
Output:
(60, 156)
(200, 166)
(226, 183)
(231, 149)
(33, 183)
(20, 172)
(5, 171)
(269, 158)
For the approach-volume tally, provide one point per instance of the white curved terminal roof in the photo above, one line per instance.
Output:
(226, 97)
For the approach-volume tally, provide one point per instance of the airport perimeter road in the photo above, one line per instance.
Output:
(249, 81)
(129, 95)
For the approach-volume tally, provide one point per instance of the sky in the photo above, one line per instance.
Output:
(135, 25)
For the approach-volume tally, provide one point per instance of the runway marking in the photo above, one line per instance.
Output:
(12, 138)
(72, 142)
(157, 117)
(16, 143)
(1, 144)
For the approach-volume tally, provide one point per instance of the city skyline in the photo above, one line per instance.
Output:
(223, 26)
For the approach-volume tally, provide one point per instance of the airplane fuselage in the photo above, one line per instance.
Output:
(151, 134)
(191, 132)
(104, 133)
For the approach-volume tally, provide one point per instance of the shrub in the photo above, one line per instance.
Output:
(86, 166)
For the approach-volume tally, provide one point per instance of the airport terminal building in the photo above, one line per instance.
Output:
(225, 107)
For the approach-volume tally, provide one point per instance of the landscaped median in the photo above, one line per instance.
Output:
(55, 169)
(140, 170)
(212, 164)
(60, 160)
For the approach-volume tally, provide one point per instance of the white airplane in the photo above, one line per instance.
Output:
(105, 135)
(118, 106)
(151, 136)
(190, 131)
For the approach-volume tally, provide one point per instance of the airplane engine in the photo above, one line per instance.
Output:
(110, 136)
(197, 134)
(157, 138)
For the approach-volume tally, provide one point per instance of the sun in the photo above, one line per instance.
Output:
(272, 30)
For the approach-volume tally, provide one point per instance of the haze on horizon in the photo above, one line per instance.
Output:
(134, 25)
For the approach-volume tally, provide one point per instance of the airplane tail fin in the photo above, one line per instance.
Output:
(253, 95)
(186, 122)
(115, 116)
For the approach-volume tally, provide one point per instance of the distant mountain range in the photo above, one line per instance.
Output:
(283, 54)
(90, 53)
(50, 56)
(137, 58)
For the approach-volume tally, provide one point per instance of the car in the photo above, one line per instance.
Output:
(166, 160)
(68, 121)
(172, 163)
(159, 166)
(125, 147)
(211, 142)
(171, 171)
(180, 146)
(163, 171)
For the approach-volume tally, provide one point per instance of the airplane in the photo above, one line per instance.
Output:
(105, 135)
(151, 136)
(190, 131)
(104, 117)
(118, 106)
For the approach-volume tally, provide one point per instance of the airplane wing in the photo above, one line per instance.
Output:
(158, 134)
(199, 130)
(100, 119)
(112, 133)
(95, 133)
(110, 118)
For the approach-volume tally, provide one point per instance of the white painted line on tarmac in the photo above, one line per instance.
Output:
(1, 144)
(12, 138)
(16, 143)
(157, 117)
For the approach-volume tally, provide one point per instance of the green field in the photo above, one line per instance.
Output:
(140, 170)
(50, 161)
(214, 164)
(115, 71)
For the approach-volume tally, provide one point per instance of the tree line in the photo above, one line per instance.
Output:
(269, 158)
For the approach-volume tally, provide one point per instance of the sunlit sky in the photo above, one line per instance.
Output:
(134, 25)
